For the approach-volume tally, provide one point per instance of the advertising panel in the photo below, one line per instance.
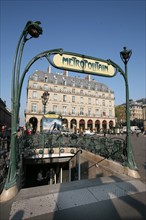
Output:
(52, 123)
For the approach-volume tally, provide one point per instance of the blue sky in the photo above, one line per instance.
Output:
(94, 28)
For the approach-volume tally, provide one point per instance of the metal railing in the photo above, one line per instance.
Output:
(113, 148)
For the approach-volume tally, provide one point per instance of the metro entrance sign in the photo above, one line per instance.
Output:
(61, 60)
(81, 63)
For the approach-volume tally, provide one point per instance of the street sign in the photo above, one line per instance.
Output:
(82, 63)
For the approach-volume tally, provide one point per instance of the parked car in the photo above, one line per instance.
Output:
(137, 131)
(88, 132)
(66, 133)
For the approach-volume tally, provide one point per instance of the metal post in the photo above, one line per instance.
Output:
(125, 56)
(45, 98)
(34, 30)
(131, 162)
(55, 179)
(79, 170)
(70, 171)
(61, 175)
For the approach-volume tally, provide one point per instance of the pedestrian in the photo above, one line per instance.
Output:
(50, 176)
(40, 178)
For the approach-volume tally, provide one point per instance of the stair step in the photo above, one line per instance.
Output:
(47, 199)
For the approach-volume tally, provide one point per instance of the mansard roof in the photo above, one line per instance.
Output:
(85, 83)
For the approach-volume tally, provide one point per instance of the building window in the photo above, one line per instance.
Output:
(35, 77)
(65, 89)
(55, 88)
(73, 98)
(55, 80)
(73, 83)
(97, 112)
(81, 111)
(55, 108)
(96, 87)
(110, 113)
(73, 91)
(64, 98)
(110, 103)
(64, 82)
(45, 87)
(55, 97)
(81, 100)
(104, 113)
(103, 102)
(46, 79)
(34, 108)
(81, 91)
(64, 110)
(89, 101)
(73, 110)
(96, 102)
(35, 85)
(89, 111)
(34, 95)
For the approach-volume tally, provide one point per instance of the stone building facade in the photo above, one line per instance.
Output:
(5, 115)
(135, 111)
(83, 102)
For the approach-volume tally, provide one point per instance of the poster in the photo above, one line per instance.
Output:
(51, 124)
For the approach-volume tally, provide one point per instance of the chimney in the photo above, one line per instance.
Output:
(49, 69)
(88, 77)
(65, 73)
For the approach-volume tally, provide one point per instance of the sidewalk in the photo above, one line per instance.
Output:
(114, 197)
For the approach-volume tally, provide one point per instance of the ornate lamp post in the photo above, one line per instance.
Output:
(31, 30)
(45, 98)
(125, 56)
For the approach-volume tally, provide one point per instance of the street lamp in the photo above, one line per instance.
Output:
(125, 56)
(45, 98)
(34, 30)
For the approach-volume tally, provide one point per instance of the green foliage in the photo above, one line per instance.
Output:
(120, 113)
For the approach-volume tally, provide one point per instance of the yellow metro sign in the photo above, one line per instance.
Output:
(84, 64)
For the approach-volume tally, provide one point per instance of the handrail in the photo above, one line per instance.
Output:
(75, 154)
(73, 157)
(78, 165)
(95, 164)
(101, 160)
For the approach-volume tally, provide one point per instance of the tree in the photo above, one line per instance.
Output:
(120, 114)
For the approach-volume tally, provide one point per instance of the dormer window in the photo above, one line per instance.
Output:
(35, 77)
(46, 79)
(73, 83)
(64, 82)
(55, 77)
